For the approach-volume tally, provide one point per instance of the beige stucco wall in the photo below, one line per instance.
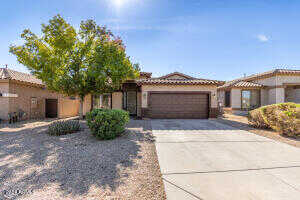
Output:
(254, 100)
(117, 98)
(272, 96)
(264, 97)
(236, 101)
(280, 80)
(270, 81)
(267, 96)
(4, 87)
(23, 101)
(280, 95)
(4, 101)
(25, 92)
(159, 88)
(87, 104)
(276, 95)
(280, 92)
(68, 107)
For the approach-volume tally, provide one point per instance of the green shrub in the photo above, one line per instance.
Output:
(63, 127)
(107, 124)
(283, 118)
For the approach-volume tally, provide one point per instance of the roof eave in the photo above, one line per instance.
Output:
(272, 73)
(141, 83)
(4, 80)
(241, 87)
(28, 83)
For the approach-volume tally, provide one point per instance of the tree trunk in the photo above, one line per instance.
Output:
(81, 108)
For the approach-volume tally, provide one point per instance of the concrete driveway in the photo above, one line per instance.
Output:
(203, 159)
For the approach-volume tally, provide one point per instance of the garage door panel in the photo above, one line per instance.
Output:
(179, 116)
(176, 109)
(179, 101)
(178, 105)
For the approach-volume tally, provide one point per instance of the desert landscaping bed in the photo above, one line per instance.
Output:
(241, 122)
(34, 165)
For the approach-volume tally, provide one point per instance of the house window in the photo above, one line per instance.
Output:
(102, 101)
(250, 99)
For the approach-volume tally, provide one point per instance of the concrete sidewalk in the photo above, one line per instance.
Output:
(203, 159)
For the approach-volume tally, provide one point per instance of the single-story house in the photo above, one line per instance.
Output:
(276, 86)
(174, 95)
(24, 95)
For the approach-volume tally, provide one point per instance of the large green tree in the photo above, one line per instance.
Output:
(76, 62)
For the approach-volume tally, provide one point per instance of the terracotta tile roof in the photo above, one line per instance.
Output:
(244, 84)
(185, 80)
(288, 71)
(247, 84)
(272, 73)
(147, 74)
(247, 79)
(159, 81)
(9, 74)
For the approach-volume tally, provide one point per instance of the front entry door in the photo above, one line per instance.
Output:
(130, 102)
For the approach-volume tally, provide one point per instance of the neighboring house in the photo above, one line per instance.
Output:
(276, 86)
(24, 93)
(175, 95)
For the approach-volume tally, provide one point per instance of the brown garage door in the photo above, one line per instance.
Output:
(51, 108)
(179, 105)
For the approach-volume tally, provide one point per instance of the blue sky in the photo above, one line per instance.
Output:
(219, 39)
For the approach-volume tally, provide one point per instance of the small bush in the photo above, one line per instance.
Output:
(107, 124)
(283, 118)
(63, 127)
(256, 119)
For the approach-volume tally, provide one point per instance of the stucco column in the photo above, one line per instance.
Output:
(280, 95)
(144, 99)
(264, 97)
(117, 98)
(236, 102)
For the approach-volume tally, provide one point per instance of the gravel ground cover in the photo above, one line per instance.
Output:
(34, 165)
(241, 122)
